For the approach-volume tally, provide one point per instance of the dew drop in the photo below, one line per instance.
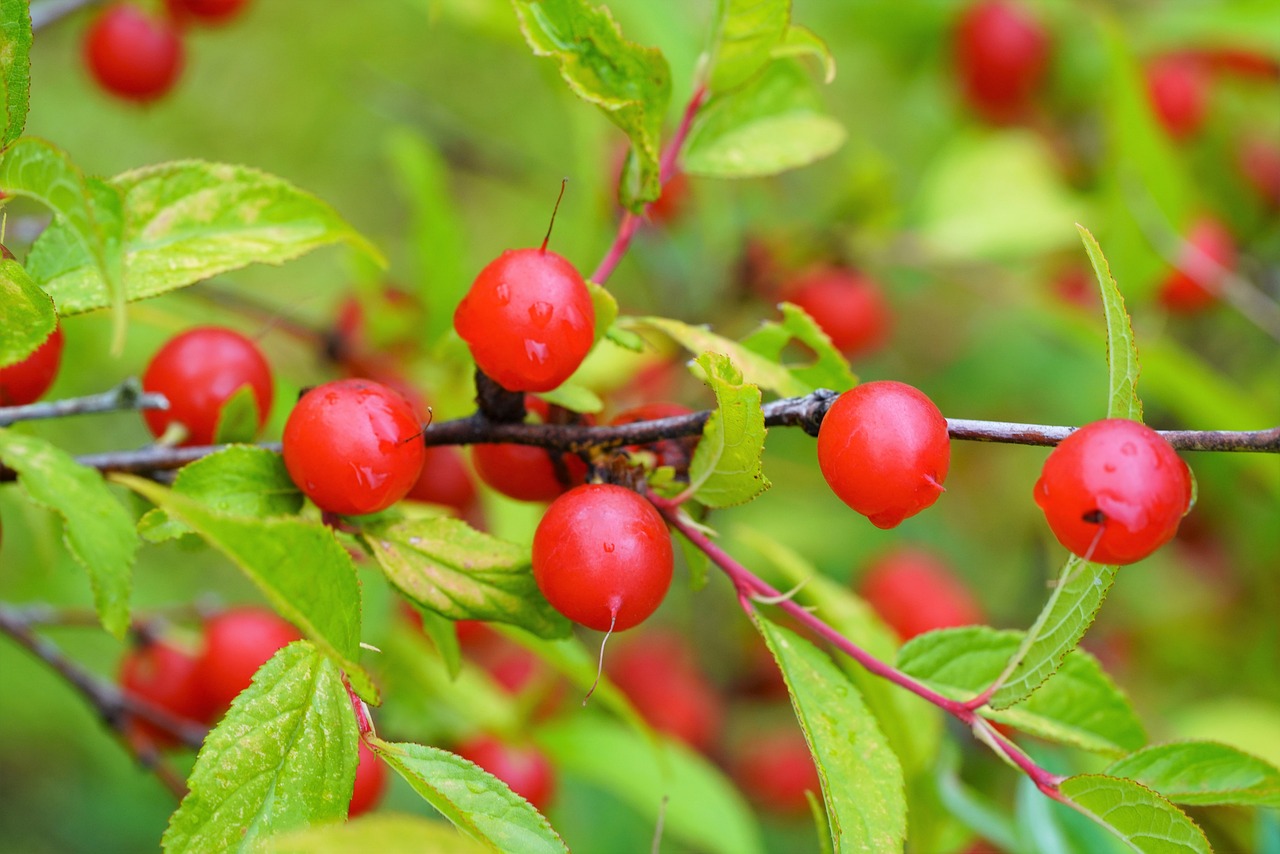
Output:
(609, 547)
(502, 293)
(1109, 467)
(540, 313)
(535, 351)
(1128, 449)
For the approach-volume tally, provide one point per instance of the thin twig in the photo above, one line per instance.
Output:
(128, 396)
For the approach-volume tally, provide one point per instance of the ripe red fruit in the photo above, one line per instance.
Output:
(524, 769)
(1178, 89)
(602, 557)
(847, 305)
(353, 446)
(236, 643)
(658, 674)
(25, 381)
(676, 453)
(1001, 55)
(206, 11)
(915, 592)
(884, 450)
(370, 784)
(445, 480)
(1209, 254)
(775, 770)
(528, 473)
(528, 320)
(1114, 491)
(199, 371)
(1259, 162)
(164, 676)
(132, 54)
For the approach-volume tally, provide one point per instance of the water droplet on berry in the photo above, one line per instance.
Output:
(1109, 468)
(609, 547)
(1128, 449)
(502, 293)
(540, 313)
(536, 351)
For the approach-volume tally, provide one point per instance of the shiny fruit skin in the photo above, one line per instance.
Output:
(525, 472)
(1209, 255)
(528, 319)
(524, 769)
(199, 371)
(237, 642)
(166, 677)
(353, 446)
(370, 783)
(1001, 55)
(884, 450)
(660, 677)
(602, 557)
(1178, 89)
(847, 305)
(208, 12)
(915, 592)
(25, 381)
(1114, 491)
(133, 55)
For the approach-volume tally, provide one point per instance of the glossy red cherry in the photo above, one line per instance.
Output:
(528, 320)
(237, 642)
(528, 473)
(370, 784)
(353, 446)
(23, 382)
(775, 769)
(206, 11)
(914, 591)
(602, 557)
(132, 54)
(445, 480)
(1208, 256)
(164, 676)
(1001, 54)
(660, 677)
(1114, 491)
(1178, 89)
(676, 453)
(884, 450)
(199, 371)
(847, 305)
(523, 768)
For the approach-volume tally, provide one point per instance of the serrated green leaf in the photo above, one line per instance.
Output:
(829, 368)
(283, 758)
(239, 481)
(1202, 773)
(801, 41)
(238, 420)
(1078, 705)
(447, 566)
(630, 83)
(188, 221)
(756, 369)
(745, 36)
(1122, 350)
(27, 317)
(96, 528)
(385, 833)
(1139, 817)
(773, 125)
(862, 782)
(15, 66)
(479, 804)
(725, 469)
(301, 568)
(702, 809)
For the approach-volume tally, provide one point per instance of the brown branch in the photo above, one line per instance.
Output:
(127, 396)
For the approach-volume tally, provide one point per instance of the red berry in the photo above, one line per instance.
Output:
(528, 473)
(602, 557)
(528, 320)
(370, 784)
(524, 769)
(199, 371)
(353, 446)
(916, 592)
(1179, 92)
(676, 453)
(1001, 55)
(658, 674)
(206, 11)
(164, 676)
(1209, 255)
(775, 769)
(675, 197)
(1114, 491)
(132, 54)
(884, 450)
(25, 381)
(1259, 162)
(445, 480)
(236, 643)
(847, 305)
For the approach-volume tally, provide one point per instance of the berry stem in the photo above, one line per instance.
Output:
(124, 397)
(564, 182)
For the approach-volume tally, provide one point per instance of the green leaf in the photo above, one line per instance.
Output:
(745, 36)
(774, 125)
(862, 781)
(630, 83)
(238, 420)
(240, 481)
(1078, 705)
(725, 469)
(1122, 350)
(479, 804)
(283, 758)
(697, 561)
(1202, 773)
(27, 317)
(572, 396)
(703, 809)
(1146, 822)
(606, 308)
(1075, 599)
(385, 833)
(96, 528)
(15, 66)
(301, 568)
(756, 369)
(829, 368)
(801, 41)
(188, 221)
(447, 566)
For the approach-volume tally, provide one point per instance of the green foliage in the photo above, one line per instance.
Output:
(829, 368)
(745, 37)
(238, 420)
(1122, 350)
(385, 833)
(756, 369)
(283, 758)
(26, 314)
(1146, 822)
(726, 469)
(1201, 773)
(15, 66)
